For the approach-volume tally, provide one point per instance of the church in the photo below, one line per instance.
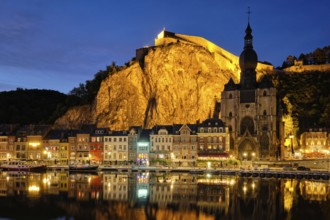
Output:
(249, 109)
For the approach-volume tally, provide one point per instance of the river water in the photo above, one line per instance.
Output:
(110, 195)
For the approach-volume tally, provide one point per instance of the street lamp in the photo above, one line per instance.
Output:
(244, 155)
(291, 141)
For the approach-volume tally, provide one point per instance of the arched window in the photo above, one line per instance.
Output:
(264, 142)
(230, 114)
(265, 93)
(247, 124)
(230, 96)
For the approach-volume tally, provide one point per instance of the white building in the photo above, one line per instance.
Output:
(116, 147)
(115, 187)
(161, 143)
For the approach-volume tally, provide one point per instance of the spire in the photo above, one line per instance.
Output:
(248, 59)
(248, 33)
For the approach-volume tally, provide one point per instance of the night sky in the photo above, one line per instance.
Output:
(57, 44)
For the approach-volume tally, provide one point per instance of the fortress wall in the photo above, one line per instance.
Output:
(305, 68)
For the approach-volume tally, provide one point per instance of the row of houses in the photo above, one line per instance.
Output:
(178, 144)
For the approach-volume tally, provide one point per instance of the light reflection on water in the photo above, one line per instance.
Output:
(108, 195)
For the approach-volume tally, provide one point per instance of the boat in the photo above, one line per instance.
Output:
(83, 167)
(16, 165)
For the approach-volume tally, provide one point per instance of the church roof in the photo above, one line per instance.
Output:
(265, 82)
(231, 85)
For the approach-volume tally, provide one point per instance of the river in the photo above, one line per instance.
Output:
(111, 195)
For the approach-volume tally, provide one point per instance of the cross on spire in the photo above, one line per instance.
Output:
(249, 13)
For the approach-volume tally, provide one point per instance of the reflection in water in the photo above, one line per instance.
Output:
(107, 195)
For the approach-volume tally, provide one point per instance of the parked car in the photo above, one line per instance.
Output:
(302, 168)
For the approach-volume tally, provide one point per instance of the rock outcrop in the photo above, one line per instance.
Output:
(178, 81)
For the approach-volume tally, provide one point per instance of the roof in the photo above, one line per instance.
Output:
(178, 127)
(61, 134)
(145, 135)
(230, 85)
(212, 122)
(30, 130)
(169, 128)
(97, 132)
(117, 133)
(8, 129)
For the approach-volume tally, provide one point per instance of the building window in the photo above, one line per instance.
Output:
(247, 124)
(265, 93)
(230, 96)
(230, 114)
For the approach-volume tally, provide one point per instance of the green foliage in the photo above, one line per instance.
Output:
(308, 93)
(162, 162)
(35, 106)
(318, 56)
(88, 91)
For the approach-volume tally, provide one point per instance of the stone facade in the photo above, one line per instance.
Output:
(249, 109)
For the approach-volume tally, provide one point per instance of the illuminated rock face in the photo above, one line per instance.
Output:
(178, 83)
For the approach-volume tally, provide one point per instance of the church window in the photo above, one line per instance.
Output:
(247, 124)
(265, 113)
(265, 93)
(230, 96)
(264, 142)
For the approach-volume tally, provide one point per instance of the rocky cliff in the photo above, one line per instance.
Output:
(177, 81)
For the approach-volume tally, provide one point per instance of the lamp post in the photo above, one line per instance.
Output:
(291, 142)
(244, 155)
(253, 156)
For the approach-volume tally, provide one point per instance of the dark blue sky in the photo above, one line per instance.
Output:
(57, 44)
